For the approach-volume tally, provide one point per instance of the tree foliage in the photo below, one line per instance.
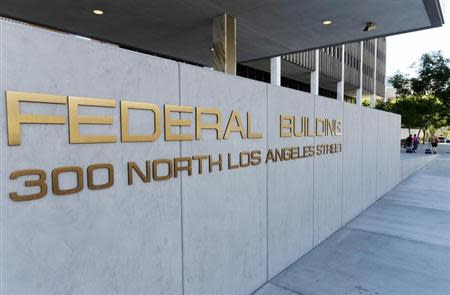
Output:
(424, 100)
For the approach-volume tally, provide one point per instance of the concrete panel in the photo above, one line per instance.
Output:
(290, 184)
(388, 152)
(327, 176)
(225, 213)
(2, 111)
(352, 162)
(396, 148)
(383, 125)
(369, 172)
(125, 239)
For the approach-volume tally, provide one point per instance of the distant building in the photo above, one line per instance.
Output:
(296, 69)
(391, 94)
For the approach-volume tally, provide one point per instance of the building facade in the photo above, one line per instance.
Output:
(296, 69)
(133, 168)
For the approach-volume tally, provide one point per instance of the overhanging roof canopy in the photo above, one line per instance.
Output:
(182, 29)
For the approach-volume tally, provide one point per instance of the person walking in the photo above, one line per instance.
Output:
(408, 141)
(415, 142)
(434, 144)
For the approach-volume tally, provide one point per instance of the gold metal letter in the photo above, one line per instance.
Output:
(15, 118)
(214, 163)
(200, 159)
(177, 168)
(90, 173)
(244, 159)
(75, 120)
(286, 123)
(230, 165)
(256, 157)
(133, 166)
(169, 123)
(55, 180)
(234, 125)
(124, 107)
(251, 135)
(40, 182)
(320, 131)
(155, 169)
(199, 125)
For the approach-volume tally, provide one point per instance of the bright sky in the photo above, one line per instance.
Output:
(403, 50)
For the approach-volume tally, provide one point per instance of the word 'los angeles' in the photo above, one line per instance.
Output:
(169, 121)
(159, 169)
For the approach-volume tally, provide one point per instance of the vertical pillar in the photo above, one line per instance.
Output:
(340, 84)
(275, 70)
(359, 91)
(224, 43)
(374, 94)
(314, 85)
(385, 93)
(385, 78)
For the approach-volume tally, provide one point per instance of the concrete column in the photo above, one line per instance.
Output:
(224, 43)
(340, 84)
(374, 94)
(314, 85)
(385, 93)
(359, 91)
(275, 70)
(385, 78)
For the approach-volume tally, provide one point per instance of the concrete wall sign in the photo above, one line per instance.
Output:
(141, 175)
(157, 169)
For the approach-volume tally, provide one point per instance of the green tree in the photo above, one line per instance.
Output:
(424, 100)
(366, 103)
(401, 83)
(422, 112)
(384, 106)
(433, 77)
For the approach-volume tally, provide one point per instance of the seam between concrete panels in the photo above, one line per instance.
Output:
(361, 195)
(314, 182)
(376, 162)
(267, 185)
(181, 189)
(342, 167)
(1, 161)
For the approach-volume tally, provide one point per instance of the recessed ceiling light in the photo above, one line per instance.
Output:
(369, 26)
(327, 22)
(97, 11)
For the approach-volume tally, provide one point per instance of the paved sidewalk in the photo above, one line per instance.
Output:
(400, 245)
